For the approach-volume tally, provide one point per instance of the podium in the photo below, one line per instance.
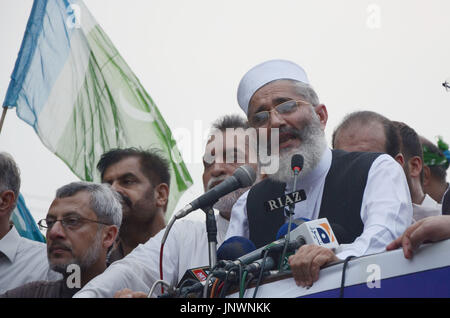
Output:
(382, 275)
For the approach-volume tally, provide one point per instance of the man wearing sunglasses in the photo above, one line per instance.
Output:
(366, 194)
(82, 224)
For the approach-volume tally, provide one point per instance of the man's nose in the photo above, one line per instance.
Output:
(115, 185)
(218, 169)
(56, 231)
(276, 120)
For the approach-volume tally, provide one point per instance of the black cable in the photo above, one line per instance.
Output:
(187, 289)
(240, 275)
(250, 277)
(261, 272)
(344, 268)
(225, 287)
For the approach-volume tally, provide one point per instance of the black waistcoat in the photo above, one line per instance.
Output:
(341, 199)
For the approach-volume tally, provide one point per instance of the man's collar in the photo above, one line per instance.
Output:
(10, 243)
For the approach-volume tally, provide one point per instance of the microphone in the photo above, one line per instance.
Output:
(243, 177)
(296, 166)
(297, 161)
(289, 199)
(256, 266)
(317, 232)
(235, 247)
(284, 228)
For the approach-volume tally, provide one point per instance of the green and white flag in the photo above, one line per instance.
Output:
(71, 84)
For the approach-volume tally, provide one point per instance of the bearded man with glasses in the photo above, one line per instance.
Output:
(82, 224)
(364, 196)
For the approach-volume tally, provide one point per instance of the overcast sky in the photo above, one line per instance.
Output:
(386, 56)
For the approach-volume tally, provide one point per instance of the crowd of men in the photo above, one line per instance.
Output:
(381, 183)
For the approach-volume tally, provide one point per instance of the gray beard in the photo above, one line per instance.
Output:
(225, 203)
(90, 257)
(312, 145)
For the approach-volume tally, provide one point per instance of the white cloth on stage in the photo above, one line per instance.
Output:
(427, 208)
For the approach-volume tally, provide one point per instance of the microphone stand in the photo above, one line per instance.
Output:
(291, 213)
(211, 230)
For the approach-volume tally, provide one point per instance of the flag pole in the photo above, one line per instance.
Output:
(5, 109)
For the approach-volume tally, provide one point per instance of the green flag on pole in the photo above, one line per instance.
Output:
(71, 84)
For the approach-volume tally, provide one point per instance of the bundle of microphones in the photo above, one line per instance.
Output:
(240, 264)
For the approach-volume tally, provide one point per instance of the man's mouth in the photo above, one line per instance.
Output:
(287, 140)
(126, 201)
(215, 183)
(212, 184)
(59, 249)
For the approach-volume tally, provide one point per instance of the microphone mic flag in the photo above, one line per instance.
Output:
(235, 247)
(285, 200)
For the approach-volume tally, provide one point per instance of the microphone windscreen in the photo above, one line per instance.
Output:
(284, 228)
(297, 161)
(246, 175)
(235, 247)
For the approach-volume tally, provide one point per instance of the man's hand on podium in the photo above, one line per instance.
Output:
(307, 261)
(128, 293)
(430, 229)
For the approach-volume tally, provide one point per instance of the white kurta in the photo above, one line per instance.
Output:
(22, 261)
(386, 208)
(186, 247)
(429, 207)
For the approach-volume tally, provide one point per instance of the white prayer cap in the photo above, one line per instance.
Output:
(265, 73)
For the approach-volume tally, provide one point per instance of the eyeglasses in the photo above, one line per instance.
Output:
(69, 222)
(262, 118)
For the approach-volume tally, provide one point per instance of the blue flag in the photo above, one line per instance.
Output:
(25, 223)
(74, 88)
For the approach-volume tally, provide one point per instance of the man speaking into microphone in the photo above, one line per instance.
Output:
(366, 194)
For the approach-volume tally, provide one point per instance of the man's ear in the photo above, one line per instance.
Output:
(322, 113)
(110, 235)
(162, 195)
(7, 201)
(400, 159)
(415, 166)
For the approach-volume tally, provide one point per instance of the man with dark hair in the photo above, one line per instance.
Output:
(434, 171)
(21, 260)
(142, 179)
(366, 131)
(183, 249)
(215, 171)
(82, 224)
(411, 159)
(370, 131)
